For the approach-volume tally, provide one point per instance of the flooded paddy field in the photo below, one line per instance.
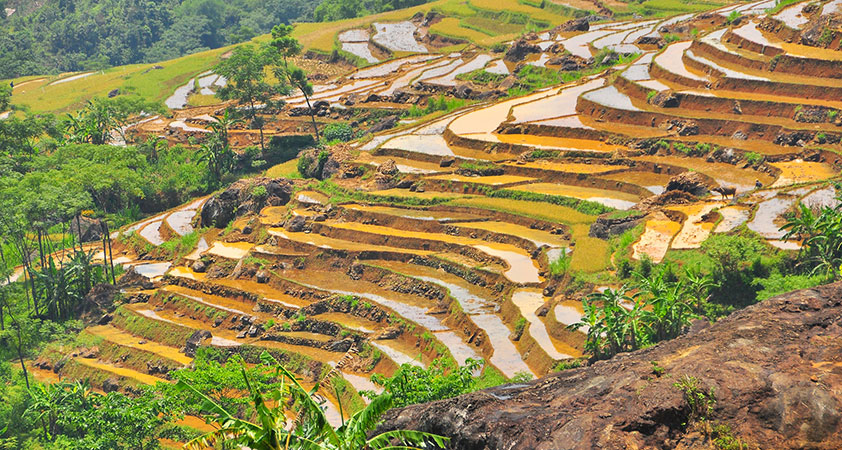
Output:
(455, 234)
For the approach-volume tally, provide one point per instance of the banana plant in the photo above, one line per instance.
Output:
(290, 417)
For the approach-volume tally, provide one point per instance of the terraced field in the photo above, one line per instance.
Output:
(437, 259)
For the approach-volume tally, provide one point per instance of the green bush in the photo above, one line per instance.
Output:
(338, 132)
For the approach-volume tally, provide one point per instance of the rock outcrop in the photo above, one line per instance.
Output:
(775, 369)
(243, 197)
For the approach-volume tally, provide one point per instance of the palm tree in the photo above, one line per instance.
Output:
(290, 417)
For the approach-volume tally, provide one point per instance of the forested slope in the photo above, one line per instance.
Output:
(74, 35)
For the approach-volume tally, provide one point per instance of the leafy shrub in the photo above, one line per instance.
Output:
(753, 158)
(560, 266)
(338, 132)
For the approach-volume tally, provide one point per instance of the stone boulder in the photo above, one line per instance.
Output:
(580, 24)
(195, 341)
(665, 99)
(693, 183)
(604, 227)
(520, 50)
(773, 369)
(88, 228)
(134, 280)
(238, 200)
(296, 224)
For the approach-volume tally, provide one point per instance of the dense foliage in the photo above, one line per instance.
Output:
(330, 10)
(73, 35)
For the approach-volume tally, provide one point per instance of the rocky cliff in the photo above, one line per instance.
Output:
(775, 369)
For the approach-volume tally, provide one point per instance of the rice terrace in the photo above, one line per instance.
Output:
(456, 224)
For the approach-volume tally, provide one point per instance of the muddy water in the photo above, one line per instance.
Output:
(611, 97)
(152, 270)
(413, 74)
(555, 143)
(729, 73)
(120, 371)
(450, 79)
(506, 358)
(569, 167)
(655, 240)
(694, 231)
(457, 347)
(494, 180)
(420, 214)
(497, 67)
(124, 339)
(821, 197)
(73, 78)
(654, 182)
(178, 99)
(180, 221)
(724, 174)
(361, 50)
(793, 16)
(201, 247)
(312, 197)
(732, 217)
(217, 341)
(397, 37)
(767, 219)
(390, 67)
(579, 45)
(614, 199)
(361, 383)
(670, 60)
(152, 233)
(424, 144)
(799, 171)
(569, 312)
(486, 120)
(403, 164)
(561, 104)
(521, 267)
(400, 358)
(339, 244)
(408, 311)
(538, 237)
(230, 250)
(528, 301)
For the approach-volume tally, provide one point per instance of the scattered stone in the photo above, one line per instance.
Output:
(520, 49)
(604, 227)
(693, 183)
(296, 224)
(665, 99)
(199, 266)
(195, 341)
(89, 229)
(580, 24)
(262, 276)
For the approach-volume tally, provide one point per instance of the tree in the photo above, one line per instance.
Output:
(291, 417)
(215, 149)
(412, 384)
(288, 47)
(821, 232)
(95, 124)
(5, 94)
(245, 71)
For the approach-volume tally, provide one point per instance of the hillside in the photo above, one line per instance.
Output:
(458, 22)
(564, 197)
